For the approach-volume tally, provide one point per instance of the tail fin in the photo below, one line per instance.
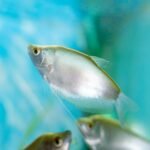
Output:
(124, 106)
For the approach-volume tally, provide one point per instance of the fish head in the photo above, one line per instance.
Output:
(53, 141)
(62, 141)
(59, 141)
(85, 126)
(42, 57)
(90, 131)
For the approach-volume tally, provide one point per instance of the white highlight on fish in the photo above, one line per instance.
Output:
(51, 141)
(106, 134)
(80, 79)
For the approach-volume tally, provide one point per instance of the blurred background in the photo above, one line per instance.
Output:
(117, 30)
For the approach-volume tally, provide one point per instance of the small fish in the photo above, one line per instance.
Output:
(51, 141)
(106, 134)
(80, 79)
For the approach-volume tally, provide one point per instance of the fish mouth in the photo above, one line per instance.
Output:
(30, 47)
(83, 127)
(68, 134)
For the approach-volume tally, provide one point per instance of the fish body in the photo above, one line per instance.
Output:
(106, 134)
(78, 78)
(51, 141)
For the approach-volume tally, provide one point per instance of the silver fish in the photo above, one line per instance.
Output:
(51, 141)
(80, 79)
(106, 134)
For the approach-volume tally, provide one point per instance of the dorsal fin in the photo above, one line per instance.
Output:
(100, 61)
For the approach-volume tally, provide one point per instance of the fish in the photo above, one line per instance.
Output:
(51, 141)
(101, 133)
(80, 79)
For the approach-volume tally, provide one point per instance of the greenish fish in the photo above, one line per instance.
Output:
(51, 141)
(102, 133)
(80, 79)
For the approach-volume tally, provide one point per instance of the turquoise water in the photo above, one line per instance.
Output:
(116, 30)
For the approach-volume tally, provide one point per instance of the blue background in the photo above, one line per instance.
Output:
(117, 30)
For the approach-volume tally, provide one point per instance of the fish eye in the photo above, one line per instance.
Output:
(90, 125)
(58, 142)
(36, 51)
